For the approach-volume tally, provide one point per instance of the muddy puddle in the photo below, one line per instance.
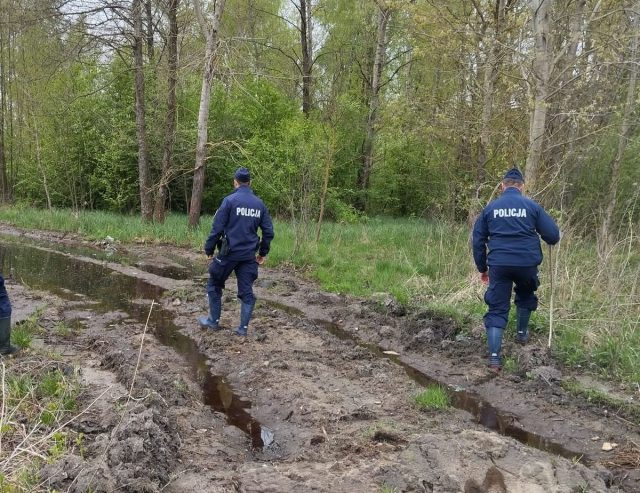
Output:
(172, 267)
(106, 290)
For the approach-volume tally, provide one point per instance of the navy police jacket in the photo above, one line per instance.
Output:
(511, 227)
(239, 216)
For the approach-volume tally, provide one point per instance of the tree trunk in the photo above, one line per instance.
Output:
(328, 160)
(39, 163)
(210, 31)
(307, 54)
(144, 176)
(488, 90)
(149, 13)
(623, 136)
(159, 212)
(541, 73)
(4, 185)
(364, 173)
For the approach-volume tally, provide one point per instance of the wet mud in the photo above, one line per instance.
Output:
(309, 402)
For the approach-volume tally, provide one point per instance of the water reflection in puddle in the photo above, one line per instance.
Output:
(67, 277)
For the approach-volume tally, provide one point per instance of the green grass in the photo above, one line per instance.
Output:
(427, 265)
(62, 329)
(595, 396)
(434, 397)
(510, 365)
(38, 398)
(385, 488)
(23, 333)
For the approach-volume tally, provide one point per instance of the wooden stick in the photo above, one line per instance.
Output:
(550, 295)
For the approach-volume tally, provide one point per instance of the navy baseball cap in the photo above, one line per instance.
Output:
(242, 175)
(513, 174)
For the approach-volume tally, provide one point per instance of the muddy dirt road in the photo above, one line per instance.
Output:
(318, 398)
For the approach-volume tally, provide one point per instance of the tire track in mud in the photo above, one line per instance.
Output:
(65, 274)
(152, 280)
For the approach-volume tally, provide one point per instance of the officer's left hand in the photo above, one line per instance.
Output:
(210, 259)
(260, 259)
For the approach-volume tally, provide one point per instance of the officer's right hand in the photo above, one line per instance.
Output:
(260, 259)
(484, 277)
(210, 259)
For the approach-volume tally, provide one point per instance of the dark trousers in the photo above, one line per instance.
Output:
(246, 273)
(498, 295)
(5, 304)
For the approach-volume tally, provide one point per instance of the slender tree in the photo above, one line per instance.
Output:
(210, 31)
(306, 44)
(623, 133)
(144, 173)
(540, 10)
(170, 119)
(375, 83)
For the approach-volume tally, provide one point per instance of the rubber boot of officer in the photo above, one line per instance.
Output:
(212, 321)
(6, 348)
(522, 325)
(246, 310)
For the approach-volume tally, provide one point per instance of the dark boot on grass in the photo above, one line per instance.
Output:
(6, 348)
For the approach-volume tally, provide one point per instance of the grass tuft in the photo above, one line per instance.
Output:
(37, 399)
(434, 397)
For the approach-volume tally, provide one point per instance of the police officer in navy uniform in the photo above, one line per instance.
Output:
(235, 226)
(510, 227)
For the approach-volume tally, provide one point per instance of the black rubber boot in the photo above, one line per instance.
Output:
(5, 337)
(246, 310)
(522, 325)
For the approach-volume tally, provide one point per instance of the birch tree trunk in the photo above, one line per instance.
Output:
(144, 176)
(541, 74)
(159, 212)
(307, 54)
(210, 31)
(364, 173)
(623, 136)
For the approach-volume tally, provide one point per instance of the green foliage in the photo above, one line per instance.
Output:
(22, 334)
(39, 397)
(63, 329)
(433, 398)
(599, 397)
(385, 488)
(510, 365)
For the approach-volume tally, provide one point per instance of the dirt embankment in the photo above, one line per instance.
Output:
(338, 415)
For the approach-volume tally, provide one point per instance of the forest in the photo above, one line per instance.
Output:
(341, 109)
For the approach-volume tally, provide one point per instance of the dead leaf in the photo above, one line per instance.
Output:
(606, 446)
(392, 353)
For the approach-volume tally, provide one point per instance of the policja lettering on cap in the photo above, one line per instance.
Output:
(242, 175)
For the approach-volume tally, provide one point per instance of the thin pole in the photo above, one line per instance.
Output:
(551, 295)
